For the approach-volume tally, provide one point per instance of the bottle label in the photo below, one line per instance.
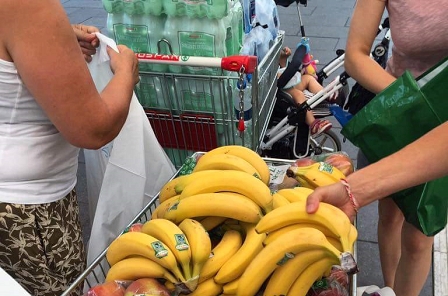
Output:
(197, 44)
(133, 36)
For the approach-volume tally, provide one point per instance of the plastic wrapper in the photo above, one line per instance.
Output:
(339, 160)
(336, 284)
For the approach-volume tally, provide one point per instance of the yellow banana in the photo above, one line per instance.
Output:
(312, 273)
(278, 253)
(304, 183)
(211, 222)
(295, 194)
(173, 237)
(225, 162)
(138, 267)
(248, 155)
(352, 237)
(327, 215)
(235, 266)
(284, 276)
(229, 244)
(279, 200)
(319, 174)
(207, 288)
(232, 181)
(176, 185)
(231, 287)
(200, 245)
(273, 235)
(142, 244)
(222, 204)
(161, 209)
(335, 242)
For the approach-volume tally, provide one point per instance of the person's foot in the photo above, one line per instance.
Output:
(319, 126)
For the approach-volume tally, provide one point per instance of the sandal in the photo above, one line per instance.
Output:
(319, 126)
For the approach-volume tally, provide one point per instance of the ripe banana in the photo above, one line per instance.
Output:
(279, 200)
(352, 237)
(273, 235)
(248, 155)
(235, 266)
(312, 273)
(211, 222)
(207, 288)
(141, 244)
(173, 237)
(232, 181)
(222, 204)
(230, 288)
(138, 267)
(284, 276)
(176, 185)
(278, 253)
(318, 174)
(335, 242)
(229, 244)
(200, 245)
(295, 194)
(327, 215)
(225, 162)
(161, 209)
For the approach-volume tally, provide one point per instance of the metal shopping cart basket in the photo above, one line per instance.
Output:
(96, 272)
(190, 101)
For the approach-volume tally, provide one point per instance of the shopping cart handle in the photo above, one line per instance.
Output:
(234, 63)
(230, 63)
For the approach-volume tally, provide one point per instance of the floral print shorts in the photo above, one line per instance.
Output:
(41, 245)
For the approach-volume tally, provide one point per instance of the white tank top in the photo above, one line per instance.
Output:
(37, 165)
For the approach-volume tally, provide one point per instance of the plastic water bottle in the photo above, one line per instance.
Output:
(203, 37)
(114, 24)
(174, 7)
(172, 25)
(113, 6)
(238, 25)
(249, 14)
(153, 7)
(215, 9)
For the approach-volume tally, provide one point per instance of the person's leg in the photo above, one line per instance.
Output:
(415, 261)
(310, 83)
(41, 245)
(390, 225)
(299, 98)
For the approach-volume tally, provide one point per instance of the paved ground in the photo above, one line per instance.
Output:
(326, 23)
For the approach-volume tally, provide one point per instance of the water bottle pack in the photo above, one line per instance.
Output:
(141, 24)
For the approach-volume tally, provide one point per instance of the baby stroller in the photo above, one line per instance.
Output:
(288, 135)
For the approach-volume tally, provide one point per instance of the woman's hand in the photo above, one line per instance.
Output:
(336, 195)
(87, 40)
(125, 61)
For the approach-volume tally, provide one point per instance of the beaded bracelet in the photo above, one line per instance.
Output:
(350, 194)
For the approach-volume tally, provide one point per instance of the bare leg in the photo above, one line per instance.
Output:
(310, 83)
(415, 261)
(390, 224)
(299, 98)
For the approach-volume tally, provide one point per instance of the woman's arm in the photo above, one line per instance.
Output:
(419, 162)
(41, 42)
(363, 30)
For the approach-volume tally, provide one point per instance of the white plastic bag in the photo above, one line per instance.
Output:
(133, 168)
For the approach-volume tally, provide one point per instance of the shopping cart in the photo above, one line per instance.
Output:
(190, 101)
(96, 272)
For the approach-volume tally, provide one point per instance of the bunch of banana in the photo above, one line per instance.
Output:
(133, 254)
(279, 253)
(329, 219)
(315, 175)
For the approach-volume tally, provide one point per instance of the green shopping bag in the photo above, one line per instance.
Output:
(397, 116)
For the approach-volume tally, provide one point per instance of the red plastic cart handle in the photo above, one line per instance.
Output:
(230, 63)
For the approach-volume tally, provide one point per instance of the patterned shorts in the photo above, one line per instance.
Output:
(41, 245)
